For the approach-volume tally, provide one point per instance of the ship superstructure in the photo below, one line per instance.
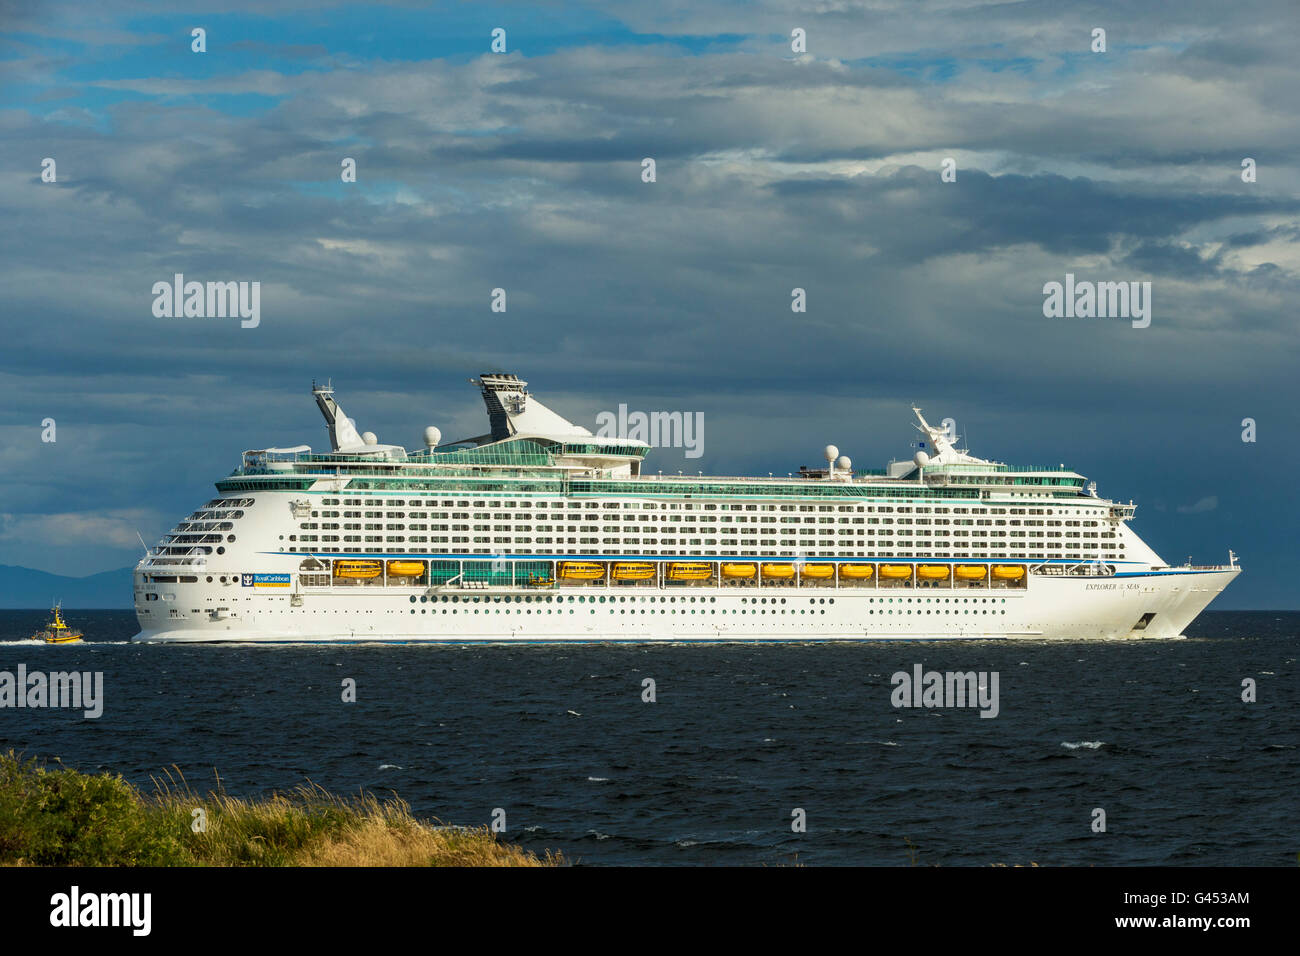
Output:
(539, 530)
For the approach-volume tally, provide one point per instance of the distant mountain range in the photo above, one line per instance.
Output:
(28, 588)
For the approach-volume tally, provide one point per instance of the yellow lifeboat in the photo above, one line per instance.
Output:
(818, 571)
(972, 572)
(633, 571)
(735, 571)
(357, 569)
(405, 569)
(856, 572)
(1008, 572)
(933, 572)
(778, 571)
(896, 572)
(689, 571)
(581, 570)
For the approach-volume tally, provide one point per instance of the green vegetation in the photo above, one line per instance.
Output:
(60, 817)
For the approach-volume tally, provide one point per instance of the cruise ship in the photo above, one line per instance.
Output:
(540, 531)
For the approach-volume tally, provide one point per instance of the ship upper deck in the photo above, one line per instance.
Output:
(530, 448)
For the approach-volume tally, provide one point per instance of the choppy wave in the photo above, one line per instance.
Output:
(712, 773)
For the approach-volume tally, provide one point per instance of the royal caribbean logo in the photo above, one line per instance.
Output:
(279, 580)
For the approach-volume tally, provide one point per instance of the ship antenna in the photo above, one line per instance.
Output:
(142, 544)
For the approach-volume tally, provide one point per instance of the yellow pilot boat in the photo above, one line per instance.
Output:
(581, 570)
(738, 571)
(778, 571)
(856, 572)
(972, 572)
(689, 571)
(405, 569)
(818, 571)
(896, 572)
(57, 632)
(357, 569)
(634, 571)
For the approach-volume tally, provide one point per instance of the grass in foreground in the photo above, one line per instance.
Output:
(60, 817)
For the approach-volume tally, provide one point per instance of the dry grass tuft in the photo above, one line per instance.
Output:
(65, 818)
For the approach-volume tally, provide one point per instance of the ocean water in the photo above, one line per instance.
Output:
(739, 737)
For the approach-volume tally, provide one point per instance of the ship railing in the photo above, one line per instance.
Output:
(1089, 569)
(161, 561)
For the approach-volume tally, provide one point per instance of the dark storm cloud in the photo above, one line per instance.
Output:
(774, 172)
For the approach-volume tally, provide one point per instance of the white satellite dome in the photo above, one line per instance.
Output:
(370, 438)
(831, 452)
(921, 459)
(432, 436)
(845, 463)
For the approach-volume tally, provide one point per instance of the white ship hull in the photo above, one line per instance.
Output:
(1050, 608)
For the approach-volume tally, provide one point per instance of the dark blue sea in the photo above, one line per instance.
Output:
(740, 736)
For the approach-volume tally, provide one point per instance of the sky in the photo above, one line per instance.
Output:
(775, 169)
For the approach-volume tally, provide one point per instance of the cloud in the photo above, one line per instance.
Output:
(523, 172)
(57, 530)
(1208, 503)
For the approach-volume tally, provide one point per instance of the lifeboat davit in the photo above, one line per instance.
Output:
(581, 570)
